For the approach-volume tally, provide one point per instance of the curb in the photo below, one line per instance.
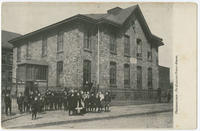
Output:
(88, 119)
(13, 117)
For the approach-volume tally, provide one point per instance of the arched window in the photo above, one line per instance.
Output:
(139, 77)
(139, 48)
(126, 75)
(150, 78)
(86, 71)
(126, 45)
(113, 73)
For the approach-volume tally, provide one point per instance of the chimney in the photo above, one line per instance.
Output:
(114, 11)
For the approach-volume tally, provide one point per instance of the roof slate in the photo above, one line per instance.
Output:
(118, 18)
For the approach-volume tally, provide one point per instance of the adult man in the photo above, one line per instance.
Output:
(72, 102)
(65, 100)
(8, 103)
(20, 101)
(92, 103)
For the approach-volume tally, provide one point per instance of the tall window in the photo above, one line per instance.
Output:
(139, 48)
(59, 72)
(157, 55)
(44, 46)
(4, 58)
(149, 53)
(33, 72)
(86, 71)
(126, 45)
(87, 40)
(60, 42)
(149, 78)
(126, 75)
(28, 55)
(113, 73)
(18, 53)
(113, 44)
(139, 77)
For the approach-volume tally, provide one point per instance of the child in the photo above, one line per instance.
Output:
(34, 108)
(107, 101)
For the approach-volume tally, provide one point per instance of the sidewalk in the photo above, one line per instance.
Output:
(61, 117)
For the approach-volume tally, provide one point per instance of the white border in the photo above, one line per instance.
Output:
(193, 1)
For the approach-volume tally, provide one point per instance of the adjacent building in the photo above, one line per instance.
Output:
(164, 78)
(7, 59)
(115, 50)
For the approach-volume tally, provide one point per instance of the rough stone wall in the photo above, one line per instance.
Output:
(92, 54)
(74, 54)
(15, 61)
(144, 63)
(70, 55)
(120, 59)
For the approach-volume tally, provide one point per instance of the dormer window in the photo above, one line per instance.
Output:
(133, 25)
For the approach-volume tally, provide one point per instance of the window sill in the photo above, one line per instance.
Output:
(59, 52)
(40, 80)
(44, 55)
(87, 50)
(126, 55)
(28, 58)
(127, 86)
(113, 86)
(113, 52)
(18, 61)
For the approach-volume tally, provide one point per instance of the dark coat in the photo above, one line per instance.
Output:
(20, 100)
(35, 106)
(7, 101)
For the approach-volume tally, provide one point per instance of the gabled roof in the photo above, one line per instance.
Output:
(5, 37)
(115, 17)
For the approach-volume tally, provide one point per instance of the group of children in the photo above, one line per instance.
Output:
(77, 102)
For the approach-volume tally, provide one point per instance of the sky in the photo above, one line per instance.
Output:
(23, 18)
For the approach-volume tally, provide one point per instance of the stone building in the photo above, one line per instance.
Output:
(116, 50)
(7, 59)
(164, 78)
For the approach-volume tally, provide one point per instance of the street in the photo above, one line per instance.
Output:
(132, 116)
(158, 120)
